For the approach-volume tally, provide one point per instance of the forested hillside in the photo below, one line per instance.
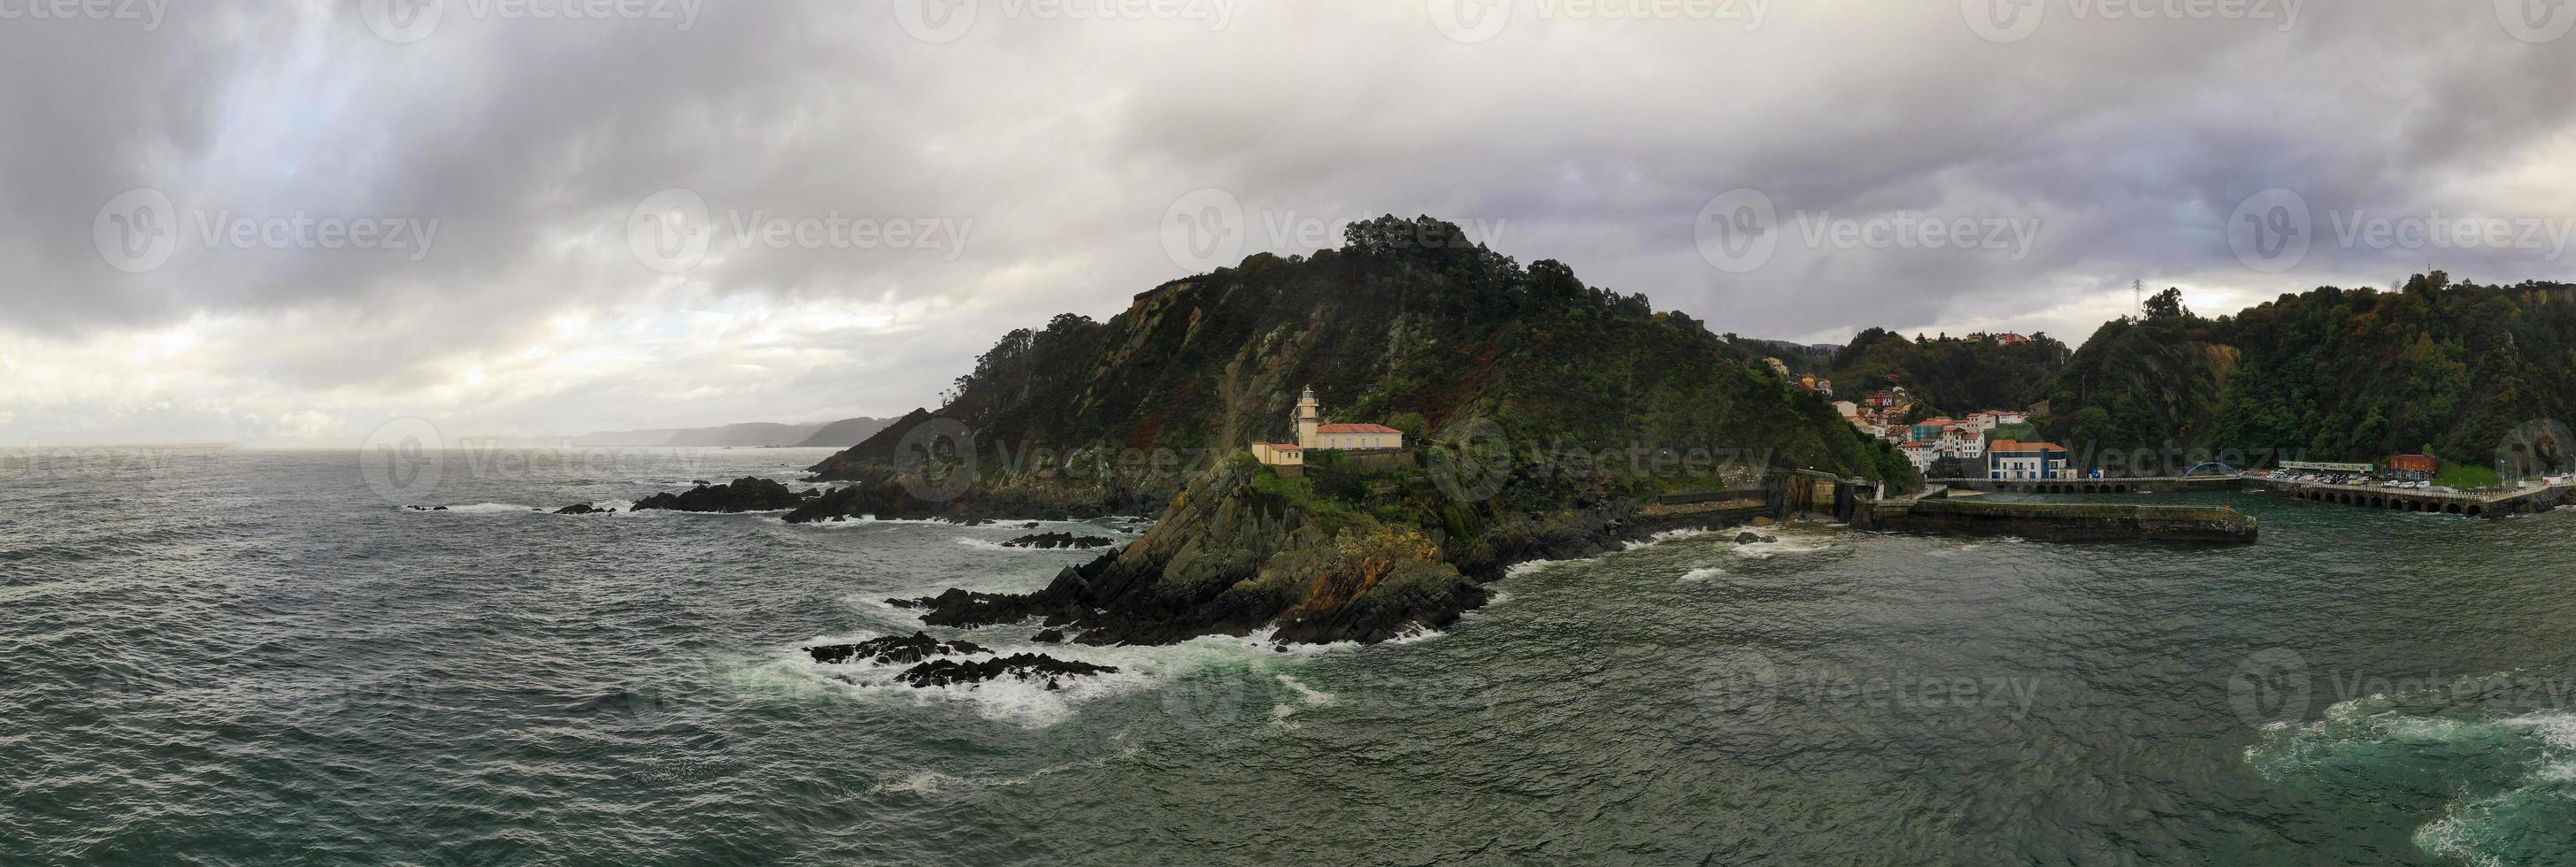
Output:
(1950, 375)
(2334, 374)
(1409, 325)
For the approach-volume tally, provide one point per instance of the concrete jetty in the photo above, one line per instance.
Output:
(2466, 505)
(1802, 493)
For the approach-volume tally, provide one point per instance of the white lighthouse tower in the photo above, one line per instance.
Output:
(1308, 420)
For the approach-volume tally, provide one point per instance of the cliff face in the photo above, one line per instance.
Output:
(1540, 414)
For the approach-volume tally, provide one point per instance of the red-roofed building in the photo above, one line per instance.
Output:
(1313, 434)
(2014, 460)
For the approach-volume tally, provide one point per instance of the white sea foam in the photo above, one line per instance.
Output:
(1768, 550)
(486, 509)
(2484, 830)
(1533, 567)
(1666, 536)
(1228, 662)
(1703, 574)
(1306, 696)
(2557, 728)
(981, 544)
(924, 783)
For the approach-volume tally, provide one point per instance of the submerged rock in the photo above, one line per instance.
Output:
(1017, 666)
(893, 649)
(1048, 636)
(1749, 537)
(583, 509)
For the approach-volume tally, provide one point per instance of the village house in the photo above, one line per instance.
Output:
(1920, 455)
(2015, 460)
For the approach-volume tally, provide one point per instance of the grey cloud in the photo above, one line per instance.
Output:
(1593, 142)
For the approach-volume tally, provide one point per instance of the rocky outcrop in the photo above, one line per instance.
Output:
(746, 494)
(1242, 549)
(930, 666)
(584, 509)
(1058, 540)
(893, 649)
(1017, 666)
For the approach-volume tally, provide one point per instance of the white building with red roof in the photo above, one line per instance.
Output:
(1314, 435)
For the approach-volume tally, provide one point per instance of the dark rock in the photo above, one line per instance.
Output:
(968, 609)
(1058, 540)
(583, 509)
(1050, 636)
(746, 494)
(1018, 666)
(893, 649)
(1749, 537)
(1032, 525)
(438, 508)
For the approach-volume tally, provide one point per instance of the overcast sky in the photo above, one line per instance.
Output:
(269, 221)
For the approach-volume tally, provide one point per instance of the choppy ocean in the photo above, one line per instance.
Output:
(220, 656)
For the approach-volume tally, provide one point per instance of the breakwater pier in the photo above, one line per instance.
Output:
(2464, 504)
(1807, 494)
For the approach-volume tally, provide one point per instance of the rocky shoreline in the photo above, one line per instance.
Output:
(1231, 558)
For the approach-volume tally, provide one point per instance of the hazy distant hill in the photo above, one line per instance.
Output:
(747, 435)
(845, 433)
(840, 434)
